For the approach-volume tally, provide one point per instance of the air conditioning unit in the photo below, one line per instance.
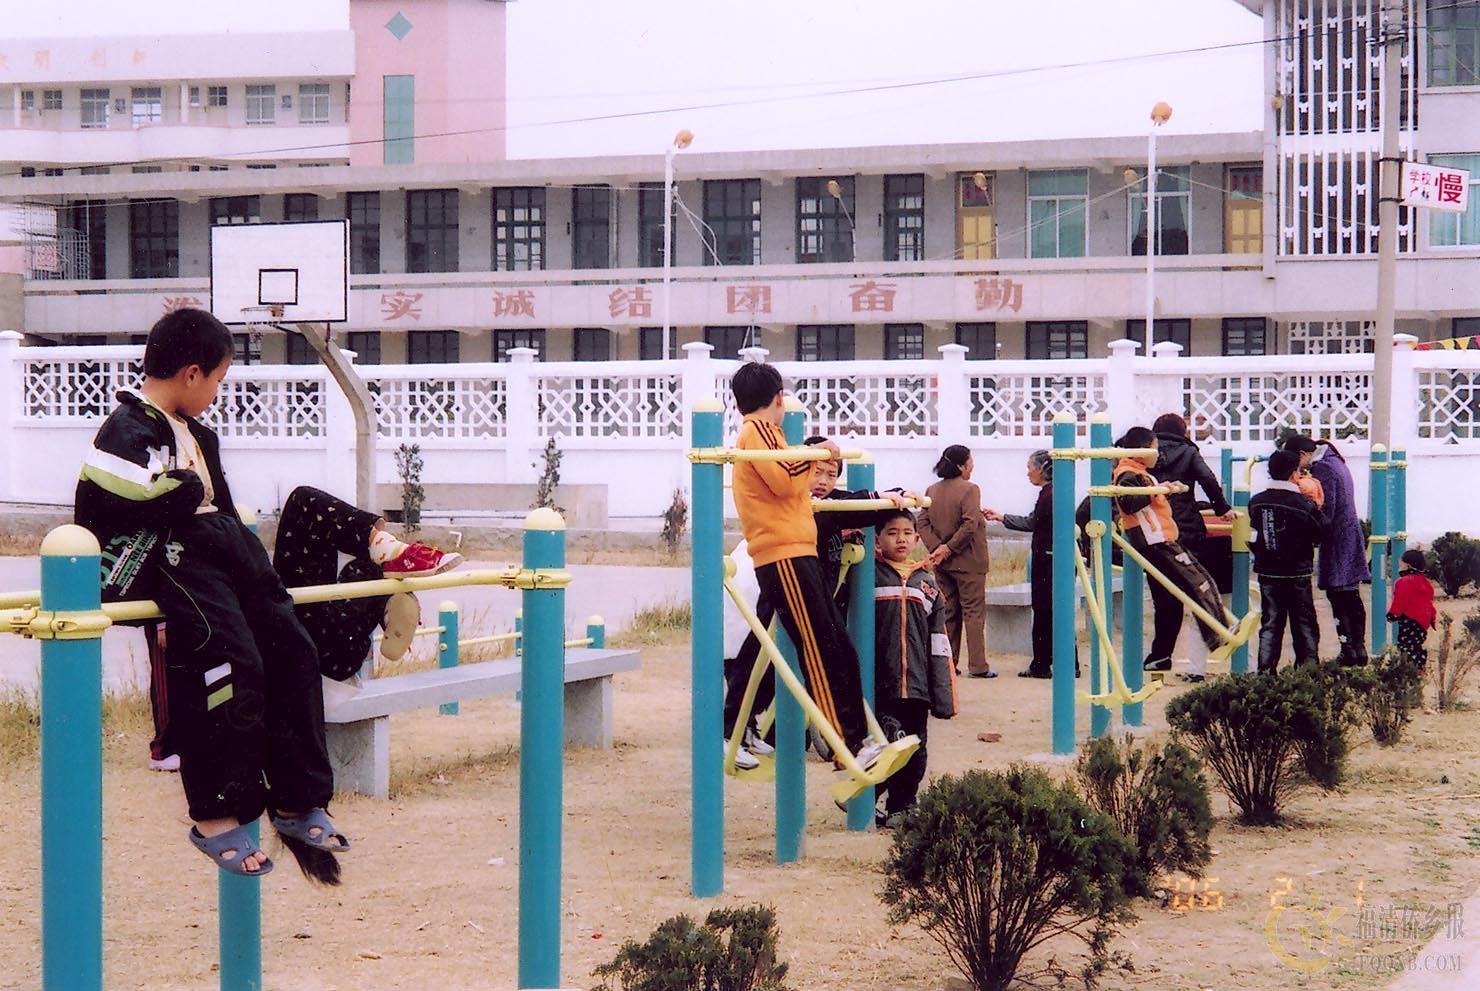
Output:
(287, 101)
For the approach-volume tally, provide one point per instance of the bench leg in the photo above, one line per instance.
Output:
(588, 713)
(360, 754)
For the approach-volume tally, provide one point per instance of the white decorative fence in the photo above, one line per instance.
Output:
(624, 424)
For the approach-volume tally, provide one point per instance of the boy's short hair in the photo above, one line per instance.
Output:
(1136, 437)
(1283, 464)
(890, 515)
(1299, 443)
(816, 439)
(183, 338)
(755, 385)
(1413, 557)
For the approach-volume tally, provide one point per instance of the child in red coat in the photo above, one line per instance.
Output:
(1412, 608)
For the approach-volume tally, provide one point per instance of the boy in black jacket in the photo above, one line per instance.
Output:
(242, 676)
(914, 673)
(1285, 528)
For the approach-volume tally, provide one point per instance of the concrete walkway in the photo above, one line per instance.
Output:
(614, 592)
(1449, 962)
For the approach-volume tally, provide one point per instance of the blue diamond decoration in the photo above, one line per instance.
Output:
(399, 26)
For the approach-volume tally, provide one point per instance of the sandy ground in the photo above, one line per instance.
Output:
(430, 893)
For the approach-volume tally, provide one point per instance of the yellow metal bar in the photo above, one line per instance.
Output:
(1121, 692)
(31, 621)
(18, 600)
(1249, 464)
(1170, 488)
(1218, 626)
(1087, 453)
(729, 455)
(865, 505)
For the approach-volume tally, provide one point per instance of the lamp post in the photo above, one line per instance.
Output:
(1160, 114)
(681, 140)
(835, 190)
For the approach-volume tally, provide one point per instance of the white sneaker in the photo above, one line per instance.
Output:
(167, 763)
(744, 759)
(868, 755)
(756, 744)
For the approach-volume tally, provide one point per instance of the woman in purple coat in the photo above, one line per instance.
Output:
(1342, 567)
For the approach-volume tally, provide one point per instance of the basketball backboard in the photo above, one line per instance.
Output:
(301, 267)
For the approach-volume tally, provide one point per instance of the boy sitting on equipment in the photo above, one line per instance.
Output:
(242, 675)
(1284, 529)
(914, 675)
(774, 502)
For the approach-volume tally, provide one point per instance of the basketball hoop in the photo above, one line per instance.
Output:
(259, 319)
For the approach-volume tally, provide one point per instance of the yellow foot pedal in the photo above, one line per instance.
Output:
(895, 756)
(1246, 628)
(765, 772)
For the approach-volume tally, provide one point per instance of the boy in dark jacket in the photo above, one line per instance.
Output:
(1285, 528)
(914, 674)
(242, 675)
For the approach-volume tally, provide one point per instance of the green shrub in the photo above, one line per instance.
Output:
(1387, 693)
(1156, 795)
(992, 864)
(1454, 561)
(681, 955)
(1265, 735)
(413, 494)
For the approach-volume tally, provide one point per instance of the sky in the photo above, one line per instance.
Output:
(762, 74)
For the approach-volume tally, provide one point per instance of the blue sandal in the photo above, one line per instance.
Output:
(301, 828)
(229, 850)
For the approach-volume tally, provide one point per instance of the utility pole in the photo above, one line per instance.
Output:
(1394, 32)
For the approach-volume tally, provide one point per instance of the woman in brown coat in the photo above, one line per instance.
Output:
(955, 533)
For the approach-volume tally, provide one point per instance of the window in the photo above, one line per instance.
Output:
(366, 346)
(904, 218)
(95, 108)
(96, 170)
(1176, 331)
(1173, 206)
(591, 227)
(298, 207)
(1452, 230)
(825, 342)
(262, 166)
(592, 344)
(1057, 339)
(28, 99)
(727, 341)
(1243, 336)
(146, 169)
(398, 120)
(505, 341)
(824, 225)
(650, 232)
(313, 103)
(147, 103)
(246, 349)
(518, 229)
(299, 351)
(431, 230)
(28, 171)
(363, 210)
(650, 343)
(1057, 202)
(216, 96)
(153, 239)
(236, 210)
(87, 222)
(261, 104)
(431, 347)
(980, 340)
(732, 209)
(51, 99)
(904, 341)
(1243, 211)
(1454, 43)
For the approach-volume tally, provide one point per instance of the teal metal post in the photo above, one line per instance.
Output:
(447, 647)
(541, 757)
(519, 633)
(1225, 471)
(861, 629)
(791, 723)
(71, 770)
(1063, 588)
(1132, 643)
(1397, 511)
(239, 899)
(1239, 542)
(1099, 474)
(596, 632)
(706, 758)
(1377, 497)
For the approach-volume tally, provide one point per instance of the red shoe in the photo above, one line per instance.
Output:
(420, 561)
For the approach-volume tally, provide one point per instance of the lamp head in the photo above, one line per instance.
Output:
(1131, 177)
(980, 181)
(1161, 113)
(683, 139)
(834, 189)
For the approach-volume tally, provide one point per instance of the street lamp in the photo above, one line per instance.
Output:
(1160, 114)
(835, 190)
(681, 140)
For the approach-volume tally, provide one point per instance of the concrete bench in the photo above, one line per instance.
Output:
(357, 717)
(1010, 616)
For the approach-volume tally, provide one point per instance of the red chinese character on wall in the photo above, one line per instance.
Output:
(873, 297)
(173, 303)
(747, 299)
(630, 302)
(398, 304)
(514, 304)
(999, 294)
(1451, 187)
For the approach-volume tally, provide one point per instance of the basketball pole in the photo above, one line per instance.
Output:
(360, 404)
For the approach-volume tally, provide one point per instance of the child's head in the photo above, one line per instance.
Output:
(1139, 437)
(1300, 444)
(955, 461)
(896, 536)
(1040, 468)
(1282, 465)
(757, 387)
(188, 353)
(824, 473)
(1414, 560)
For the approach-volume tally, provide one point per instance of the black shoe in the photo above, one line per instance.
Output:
(1030, 673)
(1160, 664)
(982, 674)
(1193, 679)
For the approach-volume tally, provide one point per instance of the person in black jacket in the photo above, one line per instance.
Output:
(1039, 523)
(1179, 460)
(1285, 528)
